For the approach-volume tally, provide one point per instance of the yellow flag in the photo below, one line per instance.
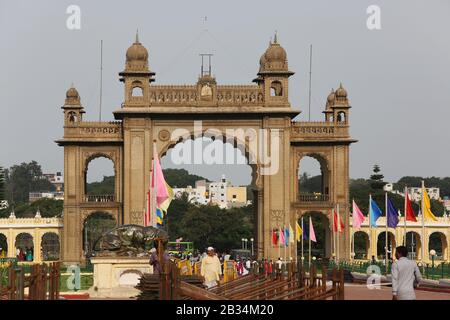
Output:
(427, 214)
(299, 231)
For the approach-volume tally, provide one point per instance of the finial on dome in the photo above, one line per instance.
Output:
(275, 40)
(137, 36)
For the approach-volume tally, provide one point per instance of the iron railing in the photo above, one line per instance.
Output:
(100, 198)
(311, 197)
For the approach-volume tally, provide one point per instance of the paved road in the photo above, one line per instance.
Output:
(361, 292)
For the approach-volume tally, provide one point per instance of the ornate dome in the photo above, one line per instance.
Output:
(72, 96)
(274, 59)
(137, 57)
(331, 96)
(341, 92)
(72, 93)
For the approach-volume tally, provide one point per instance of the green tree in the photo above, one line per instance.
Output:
(104, 187)
(23, 179)
(376, 179)
(181, 178)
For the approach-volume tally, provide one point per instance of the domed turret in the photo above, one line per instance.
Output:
(274, 59)
(341, 93)
(136, 57)
(72, 96)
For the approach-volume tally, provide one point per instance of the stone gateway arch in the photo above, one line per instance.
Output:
(153, 113)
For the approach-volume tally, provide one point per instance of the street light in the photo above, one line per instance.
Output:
(252, 245)
(242, 243)
(433, 255)
(245, 241)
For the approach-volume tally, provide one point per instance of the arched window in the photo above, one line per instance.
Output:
(72, 116)
(24, 247)
(341, 117)
(276, 89)
(313, 179)
(100, 180)
(438, 243)
(381, 245)
(137, 92)
(3, 246)
(362, 244)
(50, 247)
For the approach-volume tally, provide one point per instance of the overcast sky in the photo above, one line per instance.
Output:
(397, 77)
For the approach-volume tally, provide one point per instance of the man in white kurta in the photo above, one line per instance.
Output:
(211, 269)
(405, 274)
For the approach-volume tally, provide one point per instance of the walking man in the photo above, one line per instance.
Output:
(211, 269)
(405, 274)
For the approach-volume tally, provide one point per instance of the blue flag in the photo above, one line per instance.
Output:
(305, 232)
(375, 212)
(392, 214)
(286, 236)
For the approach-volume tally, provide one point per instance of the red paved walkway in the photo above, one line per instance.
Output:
(361, 292)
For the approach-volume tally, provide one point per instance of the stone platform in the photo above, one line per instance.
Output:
(116, 277)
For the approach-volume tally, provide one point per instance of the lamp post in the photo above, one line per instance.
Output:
(245, 242)
(251, 239)
(242, 243)
(433, 255)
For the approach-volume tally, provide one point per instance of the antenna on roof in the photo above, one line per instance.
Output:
(208, 71)
(101, 79)
(310, 74)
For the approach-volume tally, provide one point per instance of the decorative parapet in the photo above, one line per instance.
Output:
(36, 222)
(311, 130)
(442, 222)
(94, 130)
(225, 95)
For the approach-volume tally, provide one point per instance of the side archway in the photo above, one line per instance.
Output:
(414, 245)
(438, 242)
(24, 247)
(50, 247)
(3, 246)
(361, 245)
(381, 244)
(94, 226)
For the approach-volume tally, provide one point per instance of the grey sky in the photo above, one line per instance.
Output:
(397, 77)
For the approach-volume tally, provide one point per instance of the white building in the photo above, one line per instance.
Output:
(220, 193)
(33, 196)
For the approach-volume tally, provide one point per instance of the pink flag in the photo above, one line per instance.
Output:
(312, 234)
(358, 217)
(161, 190)
(281, 232)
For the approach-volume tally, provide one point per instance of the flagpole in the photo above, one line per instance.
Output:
(309, 255)
(279, 242)
(303, 230)
(404, 217)
(423, 226)
(337, 233)
(386, 233)
(285, 246)
(333, 241)
(370, 225)
(352, 253)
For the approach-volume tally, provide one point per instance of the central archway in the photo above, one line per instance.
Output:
(381, 245)
(230, 185)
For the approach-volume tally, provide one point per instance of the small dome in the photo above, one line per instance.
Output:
(274, 59)
(331, 96)
(275, 53)
(72, 93)
(72, 96)
(137, 56)
(137, 52)
(341, 92)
